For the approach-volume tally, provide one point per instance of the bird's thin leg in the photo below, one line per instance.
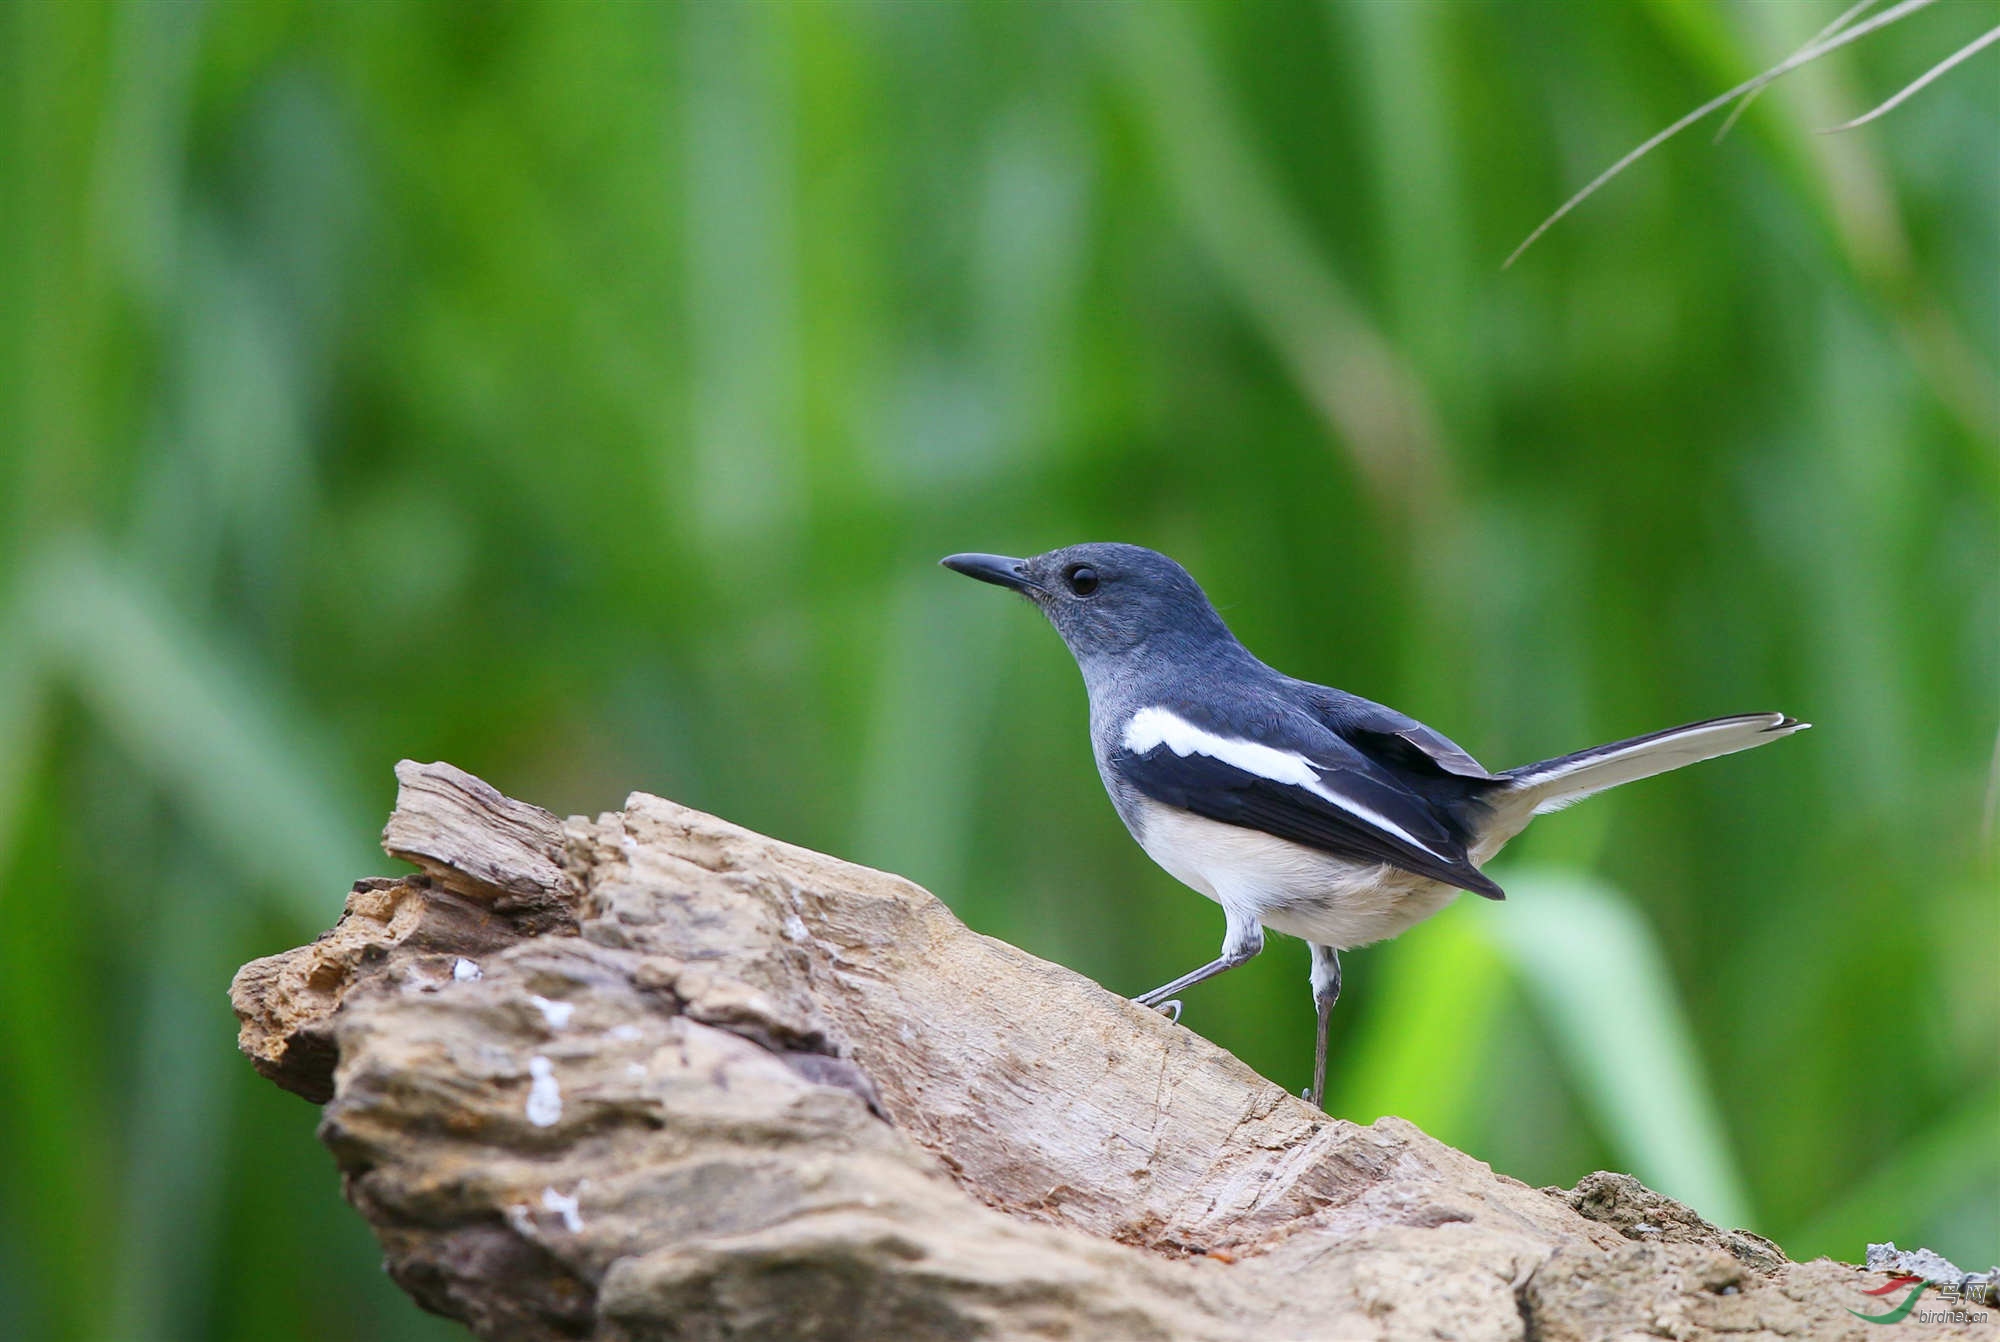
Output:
(1241, 940)
(1326, 991)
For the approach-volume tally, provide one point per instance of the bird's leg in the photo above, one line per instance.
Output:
(1326, 991)
(1241, 939)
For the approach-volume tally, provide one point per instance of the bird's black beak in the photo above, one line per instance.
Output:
(996, 569)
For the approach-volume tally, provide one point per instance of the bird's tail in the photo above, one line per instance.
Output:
(1554, 784)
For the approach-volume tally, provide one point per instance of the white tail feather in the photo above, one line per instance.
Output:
(1536, 789)
(1554, 784)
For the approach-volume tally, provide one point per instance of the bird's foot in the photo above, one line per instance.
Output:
(1170, 1009)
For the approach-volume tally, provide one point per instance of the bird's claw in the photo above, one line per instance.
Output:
(1171, 1009)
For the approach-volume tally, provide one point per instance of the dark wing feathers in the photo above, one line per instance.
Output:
(1393, 738)
(1220, 791)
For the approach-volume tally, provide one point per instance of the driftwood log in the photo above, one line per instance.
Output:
(654, 1075)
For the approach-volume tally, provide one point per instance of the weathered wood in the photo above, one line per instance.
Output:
(766, 1093)
(406, 932)
(472, 840)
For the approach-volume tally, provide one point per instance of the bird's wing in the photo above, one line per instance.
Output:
(1312, 789)
(1393, 738)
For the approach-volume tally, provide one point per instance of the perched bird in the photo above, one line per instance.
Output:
(1292, 805)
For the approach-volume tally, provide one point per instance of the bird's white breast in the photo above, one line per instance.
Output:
(1283, 885)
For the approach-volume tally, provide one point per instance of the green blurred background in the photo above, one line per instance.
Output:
(584, 393)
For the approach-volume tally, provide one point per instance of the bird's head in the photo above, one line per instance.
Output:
(1105, 599)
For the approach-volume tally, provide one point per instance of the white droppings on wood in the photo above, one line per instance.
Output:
(795, 928)
(544, 1096)
(625, 1033)
(464, 970)
(557, 1014)
(565, 1207)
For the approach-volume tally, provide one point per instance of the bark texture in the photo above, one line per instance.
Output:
(655, 1076)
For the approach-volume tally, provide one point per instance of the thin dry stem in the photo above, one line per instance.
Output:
(1847, 16)
(1784, 67)
(1977, 44)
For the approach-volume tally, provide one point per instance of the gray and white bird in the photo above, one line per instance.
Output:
(1294, 806)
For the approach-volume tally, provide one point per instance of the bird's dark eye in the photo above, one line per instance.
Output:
(1082, 579)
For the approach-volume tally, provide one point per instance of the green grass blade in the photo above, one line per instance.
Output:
(1270, 261)
(220, 743)
(1420, 1056)
(1594, 970)
(177, 1132)
(21, 696)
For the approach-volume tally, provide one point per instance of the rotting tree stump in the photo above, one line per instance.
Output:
(654, 1075)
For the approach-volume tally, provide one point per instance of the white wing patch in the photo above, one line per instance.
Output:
(1153, 727)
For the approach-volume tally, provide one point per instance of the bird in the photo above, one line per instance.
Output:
(1294, 806)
